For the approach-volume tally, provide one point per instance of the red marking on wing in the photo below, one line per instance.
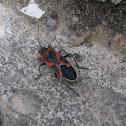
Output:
(58, 57)
(46, 53)
(60, 73)
(51, 64)
(68, 64)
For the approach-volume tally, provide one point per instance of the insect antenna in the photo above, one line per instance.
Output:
(38, 37)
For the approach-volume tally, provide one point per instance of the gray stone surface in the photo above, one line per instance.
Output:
(102, 88)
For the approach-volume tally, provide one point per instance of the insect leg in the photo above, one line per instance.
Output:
(67, 55)
(56, 76)
(61, 51)
(38, 37)
(71, 89)
(37, 59)
(49, 46)
(76, 62)
(67, 86)
(40, 71)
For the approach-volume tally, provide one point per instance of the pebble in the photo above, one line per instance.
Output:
(116, 1)
(51, 22)
(22, 103)
(88, 44)
(104, 22)
(75, 19)
(87, 27)
(113, 1)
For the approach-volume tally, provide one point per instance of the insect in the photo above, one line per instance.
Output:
(58, 63)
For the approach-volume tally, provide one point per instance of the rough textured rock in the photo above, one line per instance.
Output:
(102, 87)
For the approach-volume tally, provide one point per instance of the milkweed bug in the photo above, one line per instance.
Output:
(58, 63)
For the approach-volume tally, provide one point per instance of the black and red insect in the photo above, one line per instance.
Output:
(59, 64)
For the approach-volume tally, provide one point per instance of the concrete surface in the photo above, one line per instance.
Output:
(102, 88)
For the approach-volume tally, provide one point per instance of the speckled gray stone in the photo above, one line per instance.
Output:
(102, 99)
(24, 104)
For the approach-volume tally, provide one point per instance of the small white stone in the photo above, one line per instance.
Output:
(113, 1)
(116, 1)
(32, 10)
